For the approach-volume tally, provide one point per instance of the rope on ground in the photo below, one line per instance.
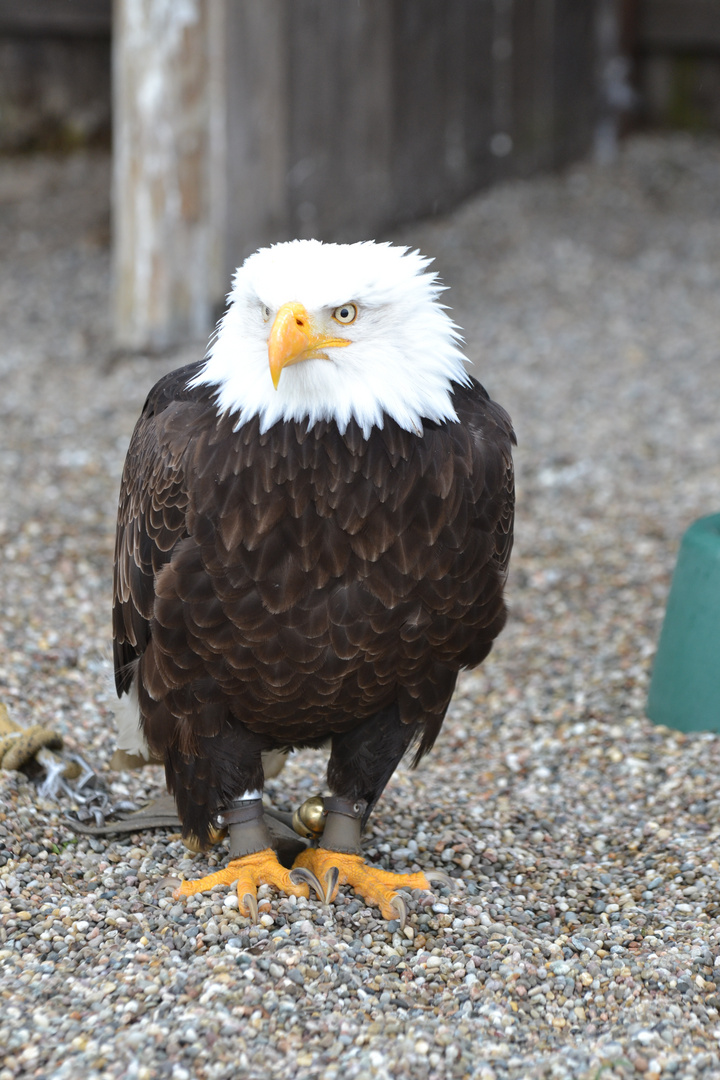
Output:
(19, 746)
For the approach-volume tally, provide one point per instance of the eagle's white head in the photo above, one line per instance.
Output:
(335, 332)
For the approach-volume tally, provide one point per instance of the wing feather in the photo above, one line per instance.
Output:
(151, 517)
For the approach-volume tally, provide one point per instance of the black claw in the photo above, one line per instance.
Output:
(299, 875)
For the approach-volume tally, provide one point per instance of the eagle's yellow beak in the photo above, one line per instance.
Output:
(293, 339)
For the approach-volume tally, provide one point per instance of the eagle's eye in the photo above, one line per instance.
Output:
(346, 314)
(265, 311)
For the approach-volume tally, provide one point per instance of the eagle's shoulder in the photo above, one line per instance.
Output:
(491, 436)
(477, 411)
(174, 414)
(175, 387)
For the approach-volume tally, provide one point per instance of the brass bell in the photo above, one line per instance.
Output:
(192, 843)
(309, 819)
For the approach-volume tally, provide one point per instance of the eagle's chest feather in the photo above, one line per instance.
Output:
(351, 563)
(294, 512)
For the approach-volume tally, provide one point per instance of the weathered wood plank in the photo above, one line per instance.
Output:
(254, 127)
(677, 25)
(340, 93)
(50, 18)
(471, 129)
(442, 84)
(532, 72)
(574, 85)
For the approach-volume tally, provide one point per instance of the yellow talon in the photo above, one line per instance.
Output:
(260, 868)
(376, 886)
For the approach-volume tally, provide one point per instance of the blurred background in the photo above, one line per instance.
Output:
(235, 123)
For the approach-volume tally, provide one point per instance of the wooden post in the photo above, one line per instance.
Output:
(169, 169)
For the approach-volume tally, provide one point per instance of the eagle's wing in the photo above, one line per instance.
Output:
(479, 510)
(503, 495)
(492, 438)
(151, 516)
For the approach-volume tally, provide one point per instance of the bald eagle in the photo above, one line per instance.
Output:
(313, 538)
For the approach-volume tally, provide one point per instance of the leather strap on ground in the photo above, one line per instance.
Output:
(160, 813)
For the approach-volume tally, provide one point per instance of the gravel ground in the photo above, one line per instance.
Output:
(581, 936)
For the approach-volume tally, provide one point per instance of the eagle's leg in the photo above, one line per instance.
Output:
(252, 860)
(361, 763)
(221, 788)
(334, 866)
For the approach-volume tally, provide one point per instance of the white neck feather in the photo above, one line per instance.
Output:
(403, 358)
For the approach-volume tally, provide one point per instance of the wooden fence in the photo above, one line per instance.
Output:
(54, 74)
(241, 123)
(675, 46)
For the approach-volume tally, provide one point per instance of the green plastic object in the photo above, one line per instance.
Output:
(685, 685)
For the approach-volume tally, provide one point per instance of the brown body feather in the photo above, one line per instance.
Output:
(275, 589)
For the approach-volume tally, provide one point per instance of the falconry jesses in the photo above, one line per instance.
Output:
(313, 538)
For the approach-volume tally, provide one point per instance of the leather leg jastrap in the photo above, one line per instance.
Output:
(247, 831)
(343, 824)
